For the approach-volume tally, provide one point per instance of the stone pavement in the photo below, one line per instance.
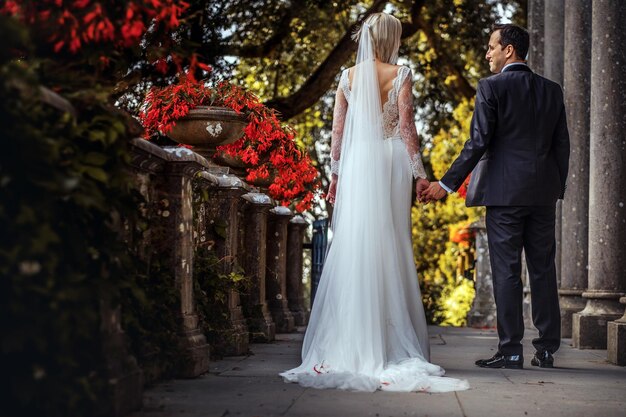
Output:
(583, 384)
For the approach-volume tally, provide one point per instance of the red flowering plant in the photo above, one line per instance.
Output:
(70, 24)
(87, 45)
(463, 188)
(267, 147)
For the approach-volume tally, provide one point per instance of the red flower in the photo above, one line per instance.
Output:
(267, 147)
(463, 188)
(71, 25)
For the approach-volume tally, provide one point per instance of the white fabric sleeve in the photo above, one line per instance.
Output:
(339, 119)
(408, 131)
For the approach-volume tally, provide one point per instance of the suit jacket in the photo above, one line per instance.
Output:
(519, 144)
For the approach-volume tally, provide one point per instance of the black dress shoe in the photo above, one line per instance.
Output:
(502, 361)
(542, 359)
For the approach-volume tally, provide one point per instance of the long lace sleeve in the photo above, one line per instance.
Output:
(408, 132)
(339, 119)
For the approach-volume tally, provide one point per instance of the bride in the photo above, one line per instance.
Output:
(367, 329)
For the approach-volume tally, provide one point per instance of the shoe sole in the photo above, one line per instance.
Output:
(503, 366)
(542, 365)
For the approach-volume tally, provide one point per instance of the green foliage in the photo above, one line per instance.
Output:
(62, 189)
(447, 295)
(212, 288)
(65, 197)
(214, 279)
(150, 306)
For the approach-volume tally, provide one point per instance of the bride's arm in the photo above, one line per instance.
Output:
(339, 119)
(408, 132)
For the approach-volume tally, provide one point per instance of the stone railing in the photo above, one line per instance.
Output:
(256, 236)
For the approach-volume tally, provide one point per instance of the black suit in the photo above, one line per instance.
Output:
(519, 153)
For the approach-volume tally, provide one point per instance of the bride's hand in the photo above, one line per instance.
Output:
(420, 186)
(332, 191)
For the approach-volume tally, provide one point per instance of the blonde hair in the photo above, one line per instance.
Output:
(386, 32)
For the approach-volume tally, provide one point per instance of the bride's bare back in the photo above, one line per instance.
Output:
(386, 75)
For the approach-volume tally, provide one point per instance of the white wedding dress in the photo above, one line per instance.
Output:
(367, 329)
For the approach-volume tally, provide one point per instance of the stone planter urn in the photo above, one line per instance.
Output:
(234, 163)
(207, 127)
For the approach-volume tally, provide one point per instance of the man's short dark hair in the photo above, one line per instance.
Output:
(515, 36)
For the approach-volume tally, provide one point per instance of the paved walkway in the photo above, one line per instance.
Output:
(583, 384)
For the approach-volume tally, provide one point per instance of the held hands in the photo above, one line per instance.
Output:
(332, 191)
(432, 193)
(420, 187)
(426, 191)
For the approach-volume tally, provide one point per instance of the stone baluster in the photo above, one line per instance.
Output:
(256, 310)
(483, 311)
(222, 226)
(295, 256)
(276, 278)
(175, 202)
(607, 170)
(576, 85)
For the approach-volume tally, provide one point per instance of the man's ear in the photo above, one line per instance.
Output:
(509, 51)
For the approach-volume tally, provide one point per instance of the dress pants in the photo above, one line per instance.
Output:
(509, 229)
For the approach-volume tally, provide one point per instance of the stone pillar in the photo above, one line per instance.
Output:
(483, 311)
(222, 225)
(575, 216)
(535, 58)
(256, 310)
(554, 26)
(607, 193)
(175, 198)
(616, 340)
(295, 295)
(276, 278)
(554, 21)
(535, 32)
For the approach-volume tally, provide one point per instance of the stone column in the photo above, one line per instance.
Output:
(276, 278)
(607, 193)
(483, 311)
(535, 58)
(575, 216)
(616, 340)
(295, 295)
(535, 32)
(222, 225)
(177, 214)
(554, 25)
(554, 21)
(256, 310)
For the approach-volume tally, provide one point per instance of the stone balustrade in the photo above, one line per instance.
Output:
(247, 232)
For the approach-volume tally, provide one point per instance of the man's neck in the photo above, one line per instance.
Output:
(516, 62)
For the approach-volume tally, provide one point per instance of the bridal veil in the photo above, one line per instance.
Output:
(367, 329)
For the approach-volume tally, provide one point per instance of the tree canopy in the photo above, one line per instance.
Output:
(295, 49)
(290, 53)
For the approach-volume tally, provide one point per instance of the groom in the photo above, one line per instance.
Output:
(519, 152)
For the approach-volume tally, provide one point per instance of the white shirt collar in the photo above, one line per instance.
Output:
(513, 63)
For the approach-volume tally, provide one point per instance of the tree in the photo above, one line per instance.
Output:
(290, 54)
